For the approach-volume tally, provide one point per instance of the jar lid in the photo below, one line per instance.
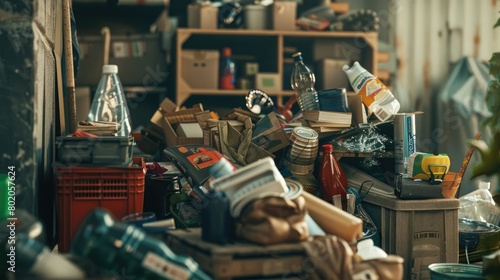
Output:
(305, 132)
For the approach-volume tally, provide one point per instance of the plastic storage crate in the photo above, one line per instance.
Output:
(88, 151)
(81, 189)
(420, 231)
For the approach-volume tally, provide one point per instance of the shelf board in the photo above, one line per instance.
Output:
(301, 33)
(237, 92)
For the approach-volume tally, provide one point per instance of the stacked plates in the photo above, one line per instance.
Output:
(301, 154)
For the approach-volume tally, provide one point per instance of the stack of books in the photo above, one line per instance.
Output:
(327, 121)
(99, 127)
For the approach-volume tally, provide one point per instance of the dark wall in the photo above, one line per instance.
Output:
(27, 102)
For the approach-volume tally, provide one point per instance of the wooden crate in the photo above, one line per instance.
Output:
(239, 260)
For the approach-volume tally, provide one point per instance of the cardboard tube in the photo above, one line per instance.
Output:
(333, 220)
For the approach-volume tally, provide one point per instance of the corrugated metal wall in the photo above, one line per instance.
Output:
(429, 37)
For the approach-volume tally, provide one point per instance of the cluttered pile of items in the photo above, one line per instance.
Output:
(259, 187)
(335, 191)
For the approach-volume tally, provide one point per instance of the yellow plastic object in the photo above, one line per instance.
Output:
(425, 166)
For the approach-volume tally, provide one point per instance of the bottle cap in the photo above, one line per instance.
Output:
(226, 52)
(297, 56)
(110, 69)
(327, 148)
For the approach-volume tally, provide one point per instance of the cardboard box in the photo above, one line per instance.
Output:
(202, 16)
(173, 139)
(166, 119)
(200, 68)
(269, 135)
(356, 107)
(268, 81)
(325, 48)
(189, 130)
(251, 68)
(329, 74)
(284, 15)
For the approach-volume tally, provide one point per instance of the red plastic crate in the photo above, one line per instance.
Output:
(81, 189)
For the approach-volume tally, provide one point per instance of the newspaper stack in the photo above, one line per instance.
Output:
(99, 127)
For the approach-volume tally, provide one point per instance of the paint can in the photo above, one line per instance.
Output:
(404, 141)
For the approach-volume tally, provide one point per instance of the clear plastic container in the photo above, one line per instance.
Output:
(479, 205)
(302, 81)
(375, 95)
(109, 102)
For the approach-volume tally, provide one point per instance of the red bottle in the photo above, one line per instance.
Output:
(227, 75)
(333, 180)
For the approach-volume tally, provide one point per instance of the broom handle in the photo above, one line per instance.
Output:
(106, 32)
(68, 58)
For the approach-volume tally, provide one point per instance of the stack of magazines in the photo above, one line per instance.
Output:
(99, 127)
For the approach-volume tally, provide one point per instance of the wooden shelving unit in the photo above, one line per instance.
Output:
(269, 48)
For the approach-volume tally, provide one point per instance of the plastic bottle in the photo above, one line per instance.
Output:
(333, 180)
(109, 103)
(375, 95)
(302, 81)
(227, 70)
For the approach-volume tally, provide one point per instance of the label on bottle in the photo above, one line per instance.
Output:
(164, 267)
(371, 90)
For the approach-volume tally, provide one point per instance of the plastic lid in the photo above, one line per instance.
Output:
(110, 69)
(226, 52)
(297, 56)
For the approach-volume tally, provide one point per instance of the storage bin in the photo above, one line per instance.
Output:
(81, 189)
(422, 232)
(88, 151)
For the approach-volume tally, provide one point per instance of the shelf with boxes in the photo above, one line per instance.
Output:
(198, 54)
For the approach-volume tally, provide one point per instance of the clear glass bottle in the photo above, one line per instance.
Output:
(109, 103)
(302, 81)
(333, 180)
(227, 75)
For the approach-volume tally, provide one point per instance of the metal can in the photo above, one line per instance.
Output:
(303, 148)
(404, 141)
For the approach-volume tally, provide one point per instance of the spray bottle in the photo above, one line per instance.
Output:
(375, 95)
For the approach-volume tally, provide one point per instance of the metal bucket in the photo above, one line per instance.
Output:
(453, 271)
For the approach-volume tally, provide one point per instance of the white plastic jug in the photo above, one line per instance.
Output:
(375, 95)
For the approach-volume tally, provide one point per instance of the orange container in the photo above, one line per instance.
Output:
(81, 189)
(450, 184)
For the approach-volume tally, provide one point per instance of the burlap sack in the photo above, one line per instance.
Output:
(273, 220)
